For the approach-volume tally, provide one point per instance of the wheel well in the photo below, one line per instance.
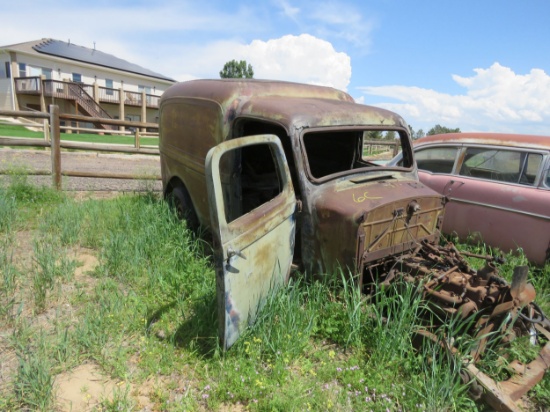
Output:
(192, 217)
(172, 184)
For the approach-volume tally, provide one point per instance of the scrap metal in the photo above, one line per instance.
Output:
(495, 311)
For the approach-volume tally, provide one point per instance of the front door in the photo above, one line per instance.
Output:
(252, 206)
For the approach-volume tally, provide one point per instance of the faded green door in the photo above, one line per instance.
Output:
(252, 206)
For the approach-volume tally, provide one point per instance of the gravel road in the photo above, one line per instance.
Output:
(40, 161)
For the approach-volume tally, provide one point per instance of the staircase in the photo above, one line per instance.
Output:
(88, 105)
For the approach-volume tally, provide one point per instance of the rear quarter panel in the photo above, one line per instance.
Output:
(508, 216)
(188, 129)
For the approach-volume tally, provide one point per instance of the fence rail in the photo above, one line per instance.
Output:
(52, 140)
(371, 147)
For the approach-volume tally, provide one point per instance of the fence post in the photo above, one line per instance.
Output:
(137, 143)
(55, 146)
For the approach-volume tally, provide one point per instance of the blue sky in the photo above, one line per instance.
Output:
(480, 65)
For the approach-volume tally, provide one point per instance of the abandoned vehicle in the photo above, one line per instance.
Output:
(497, 186)
(317, 178)
(287, 175)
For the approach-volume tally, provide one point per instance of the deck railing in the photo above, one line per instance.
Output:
(59, 89)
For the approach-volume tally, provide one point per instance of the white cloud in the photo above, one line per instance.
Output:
(288, 10)
(192, 41)
(496, 99)
(303, 58)
(344, 21)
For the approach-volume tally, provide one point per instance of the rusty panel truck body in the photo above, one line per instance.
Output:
(287, 175)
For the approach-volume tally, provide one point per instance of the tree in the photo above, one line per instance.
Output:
(438, 129)
(420, 133)
(390, 135)
(374, 135)
(237, 70)
(416, 135)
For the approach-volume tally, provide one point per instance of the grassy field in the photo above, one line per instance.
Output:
(110, 305)
(22, 132)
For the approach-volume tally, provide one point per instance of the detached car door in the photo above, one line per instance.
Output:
(252, 205)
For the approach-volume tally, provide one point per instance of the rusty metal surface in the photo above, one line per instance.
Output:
(357, 223)
(497, 312)
(255, 250)
(198, 115)
(377, 221)
(351, 216)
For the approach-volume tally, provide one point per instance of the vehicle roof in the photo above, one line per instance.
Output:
(497, 139)
(301, 105)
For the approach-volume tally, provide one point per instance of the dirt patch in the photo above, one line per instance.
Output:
(58, 308)
(24, 239)
(83, 388)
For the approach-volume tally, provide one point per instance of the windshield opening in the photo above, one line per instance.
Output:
(336, 152)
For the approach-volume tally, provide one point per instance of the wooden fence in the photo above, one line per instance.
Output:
(52, 139)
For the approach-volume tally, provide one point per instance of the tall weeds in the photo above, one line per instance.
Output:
(148, 311)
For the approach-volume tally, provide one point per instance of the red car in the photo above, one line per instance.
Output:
(498, 187)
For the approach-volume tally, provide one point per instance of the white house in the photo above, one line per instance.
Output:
(79, 80)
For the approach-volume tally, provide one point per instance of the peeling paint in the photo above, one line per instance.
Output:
(285, 174)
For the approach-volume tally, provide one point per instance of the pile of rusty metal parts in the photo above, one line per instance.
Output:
(496, 311)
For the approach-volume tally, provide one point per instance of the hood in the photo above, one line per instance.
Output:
(361, 221)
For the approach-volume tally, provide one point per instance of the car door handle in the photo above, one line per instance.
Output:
(231, 252)
(449, 187)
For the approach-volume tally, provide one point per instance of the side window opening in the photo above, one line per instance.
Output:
(246, 127)
(259, 177)
(250, 178)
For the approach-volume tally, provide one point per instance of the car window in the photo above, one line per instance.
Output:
(501, 165)
(531, 167)
(436, 159)
(547, 178)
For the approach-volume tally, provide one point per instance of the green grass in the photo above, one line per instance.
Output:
(145, 314)
(22, 132)
(19, 131)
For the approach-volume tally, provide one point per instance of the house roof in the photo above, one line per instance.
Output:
(70, 51)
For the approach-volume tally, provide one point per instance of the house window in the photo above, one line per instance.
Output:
(22, 70)
(133, 117)
(36, 71)
(5, 71)
(147, 91)
(47, 73)
(77, 78)
(109, 86)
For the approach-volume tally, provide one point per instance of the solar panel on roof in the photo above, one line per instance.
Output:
(86, 55)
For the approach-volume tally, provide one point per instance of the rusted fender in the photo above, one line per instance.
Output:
(507, 395)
